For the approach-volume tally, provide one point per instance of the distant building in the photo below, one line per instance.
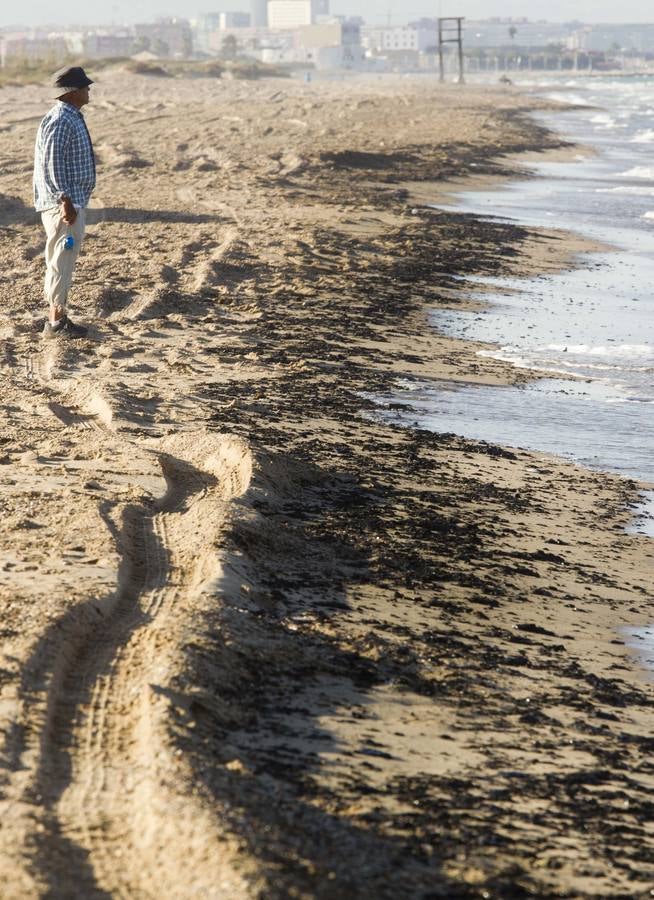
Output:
(259, 13)
(24, 47)
(202, 29)
(417, 38)
(211, 29)
(208, 21)
(628, 38)
(330, 45)
(526, 35)
(165, 37)
(353, 53)
(234, 20)
(105, 45)
(515, 32)
(289, 14)
(219, 21)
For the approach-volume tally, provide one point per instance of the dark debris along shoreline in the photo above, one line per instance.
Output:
(418, 516)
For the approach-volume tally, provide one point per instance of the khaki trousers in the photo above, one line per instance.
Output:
(60, 262)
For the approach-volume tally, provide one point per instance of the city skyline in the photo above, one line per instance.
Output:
(393, 11)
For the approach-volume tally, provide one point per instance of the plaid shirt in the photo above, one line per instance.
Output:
(64, 162)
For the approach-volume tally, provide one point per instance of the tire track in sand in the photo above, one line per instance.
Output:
(120, 820)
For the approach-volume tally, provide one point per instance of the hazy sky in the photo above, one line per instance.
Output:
(37, 12)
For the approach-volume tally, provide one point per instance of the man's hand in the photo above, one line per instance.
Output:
(68, 211)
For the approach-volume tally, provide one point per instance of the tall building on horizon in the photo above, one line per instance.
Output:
(289, 14)
(259, 13)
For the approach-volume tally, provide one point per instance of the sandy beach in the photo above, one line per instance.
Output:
(256, 642)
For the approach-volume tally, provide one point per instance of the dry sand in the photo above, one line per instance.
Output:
(256, 644)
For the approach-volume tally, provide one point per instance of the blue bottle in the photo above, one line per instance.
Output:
(69, 242)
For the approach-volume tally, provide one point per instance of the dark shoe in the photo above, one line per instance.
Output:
(64, 327)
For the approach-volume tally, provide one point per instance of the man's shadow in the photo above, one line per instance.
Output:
(97, 215)
(14, 211)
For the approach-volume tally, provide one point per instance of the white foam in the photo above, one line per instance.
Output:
(644, 137)
(648, 215)
(587, 350)
(638, 172)
(578, 366)
(603, 120)
(404, 384)
(571, 99)
(523, 362)
(638, 190)
(644, 515)
(506, 354)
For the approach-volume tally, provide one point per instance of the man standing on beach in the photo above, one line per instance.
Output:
(64, 179)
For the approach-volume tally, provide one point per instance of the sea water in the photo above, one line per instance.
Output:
(594, 322)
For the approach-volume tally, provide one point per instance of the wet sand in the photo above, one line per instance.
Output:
(255, 643)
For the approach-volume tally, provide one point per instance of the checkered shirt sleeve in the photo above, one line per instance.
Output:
(64, 162)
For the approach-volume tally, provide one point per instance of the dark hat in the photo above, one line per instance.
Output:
(70, 78)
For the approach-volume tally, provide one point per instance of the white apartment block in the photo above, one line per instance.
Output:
(406, 37)
(288, 14)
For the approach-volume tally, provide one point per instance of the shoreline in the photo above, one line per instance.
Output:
(358, 643)
(584, 251)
